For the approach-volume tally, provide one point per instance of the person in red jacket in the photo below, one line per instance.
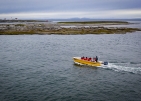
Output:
(89, 59)
(82, 57)
(94, 59)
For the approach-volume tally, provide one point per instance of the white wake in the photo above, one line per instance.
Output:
(122, 67)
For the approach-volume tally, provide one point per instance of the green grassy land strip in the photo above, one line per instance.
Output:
(17, 32)
(95, 22)
(67, 31)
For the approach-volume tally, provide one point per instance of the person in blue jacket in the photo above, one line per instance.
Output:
(96, 59)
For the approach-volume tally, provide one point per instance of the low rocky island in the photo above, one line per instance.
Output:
(65, 28)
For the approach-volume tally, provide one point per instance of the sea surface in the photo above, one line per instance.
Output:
(40, 67)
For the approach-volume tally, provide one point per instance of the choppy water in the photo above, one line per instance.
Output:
(40, 68)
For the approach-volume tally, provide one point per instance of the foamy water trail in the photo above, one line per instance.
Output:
(122, 67)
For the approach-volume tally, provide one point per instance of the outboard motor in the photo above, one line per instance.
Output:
(105, 63)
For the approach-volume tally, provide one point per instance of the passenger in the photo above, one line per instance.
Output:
(82, 57)
(89, 59)
(96, 59)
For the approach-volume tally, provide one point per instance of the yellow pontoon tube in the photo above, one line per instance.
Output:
(79, 61)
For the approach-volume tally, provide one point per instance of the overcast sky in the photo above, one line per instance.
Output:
(47, 9)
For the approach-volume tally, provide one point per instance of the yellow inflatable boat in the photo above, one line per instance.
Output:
(79, 61)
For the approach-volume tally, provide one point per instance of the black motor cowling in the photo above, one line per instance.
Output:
(105, 63)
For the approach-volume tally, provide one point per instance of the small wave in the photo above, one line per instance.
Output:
(135, 62)
(118, 68)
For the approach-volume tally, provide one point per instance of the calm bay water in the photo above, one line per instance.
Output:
(40, 68)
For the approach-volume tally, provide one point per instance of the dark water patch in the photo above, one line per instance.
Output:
(135, 62)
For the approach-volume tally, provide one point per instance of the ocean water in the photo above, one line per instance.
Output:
(133, 24)
(40, 67)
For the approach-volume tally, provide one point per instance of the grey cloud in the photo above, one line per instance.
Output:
(15, 6)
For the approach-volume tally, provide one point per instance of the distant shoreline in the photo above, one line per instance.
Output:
(94, 22)
(79, 27)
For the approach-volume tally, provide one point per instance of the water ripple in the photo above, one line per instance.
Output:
(40, 68)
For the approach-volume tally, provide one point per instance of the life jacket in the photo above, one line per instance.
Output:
(89, 59)
(94, 59)
(82, 58)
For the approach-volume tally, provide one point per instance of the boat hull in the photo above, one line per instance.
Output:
(79, 61)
